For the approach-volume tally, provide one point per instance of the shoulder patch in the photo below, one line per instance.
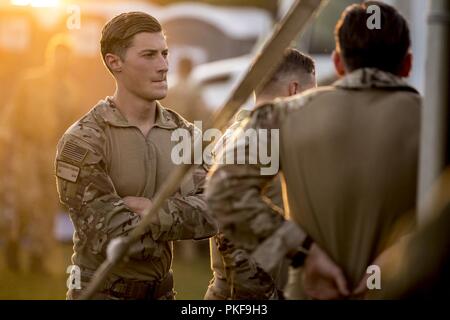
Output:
(74, 152)
(67, 171)
(179, 121)
(265, 116)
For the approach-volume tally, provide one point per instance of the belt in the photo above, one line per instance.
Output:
(221, 290)
(129, 289)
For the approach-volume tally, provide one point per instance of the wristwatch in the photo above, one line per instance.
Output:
(299, 257)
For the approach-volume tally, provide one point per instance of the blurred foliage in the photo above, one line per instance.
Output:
(190, 278)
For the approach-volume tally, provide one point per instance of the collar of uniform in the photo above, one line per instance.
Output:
(112, 115)
(371, 78)
(164, 118)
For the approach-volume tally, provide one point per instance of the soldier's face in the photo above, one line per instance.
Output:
(145, 65)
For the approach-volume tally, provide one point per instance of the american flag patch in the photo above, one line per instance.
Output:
(74, 152)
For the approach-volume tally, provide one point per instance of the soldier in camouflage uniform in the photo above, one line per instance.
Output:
(234, 276)
(348, 153)
(45, 104)
(112, 162)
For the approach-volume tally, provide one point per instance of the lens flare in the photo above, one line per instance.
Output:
(36, 3)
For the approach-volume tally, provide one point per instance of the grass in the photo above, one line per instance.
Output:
(191, 278)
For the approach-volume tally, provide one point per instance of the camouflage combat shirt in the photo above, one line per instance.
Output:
(101, 159)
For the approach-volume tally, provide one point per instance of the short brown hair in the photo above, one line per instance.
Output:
(294, 62)
(361, 47)
(118, 33)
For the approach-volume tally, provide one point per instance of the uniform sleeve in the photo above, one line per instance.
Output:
(185, 215)
(97, 211)
(235, 191)
(245, 278)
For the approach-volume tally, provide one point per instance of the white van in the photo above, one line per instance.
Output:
(219, 77)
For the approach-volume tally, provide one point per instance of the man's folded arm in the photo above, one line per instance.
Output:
(98, 213)
(235, 191)
(186, 216)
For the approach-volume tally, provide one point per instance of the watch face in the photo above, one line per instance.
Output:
(298, 259)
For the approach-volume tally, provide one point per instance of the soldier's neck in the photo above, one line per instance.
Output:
(138, 112)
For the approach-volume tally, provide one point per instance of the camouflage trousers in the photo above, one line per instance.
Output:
(74, 294)
(242, 278)
(219, 289)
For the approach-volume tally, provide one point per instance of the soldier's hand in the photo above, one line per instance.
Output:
(322, 278)
(137, 204)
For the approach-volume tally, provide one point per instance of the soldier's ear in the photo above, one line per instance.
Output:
(113, 62)
(339, 65)
(294, 88)
(406, 66)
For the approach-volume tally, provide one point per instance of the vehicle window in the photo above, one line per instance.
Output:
(319, 39)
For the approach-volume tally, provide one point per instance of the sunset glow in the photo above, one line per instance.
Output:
(36, 3)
